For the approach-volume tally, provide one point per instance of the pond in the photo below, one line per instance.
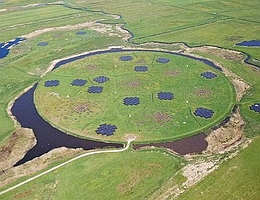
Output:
(5, 47)
(194, 144)
(252, 43)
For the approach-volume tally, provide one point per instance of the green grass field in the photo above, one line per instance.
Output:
(235, 179)
(116, 176)
(217, 23)
(152, 119)
(22, 21)
(133, 175)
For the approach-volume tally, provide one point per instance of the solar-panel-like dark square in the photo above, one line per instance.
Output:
(95, 89)
(42, 43)
(141, 68)
(165, 95)
(204, 112)
(126, 58)
(209, 75)
(131, 101)
(79, 82)
(255, 107)
(101, 79)
(106, 129)
(163, 60)
(52, 83)
(81, 32)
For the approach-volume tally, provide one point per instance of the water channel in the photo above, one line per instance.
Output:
(49, 138)
(251, 43)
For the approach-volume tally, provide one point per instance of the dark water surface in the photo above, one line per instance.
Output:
(48, 137)
(252, 43)
(5, 47)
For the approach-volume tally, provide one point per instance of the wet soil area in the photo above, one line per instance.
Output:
(194, 144)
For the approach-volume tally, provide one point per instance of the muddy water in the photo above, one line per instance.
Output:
(194, 144)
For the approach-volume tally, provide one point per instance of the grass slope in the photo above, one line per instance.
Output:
(127, 175)
(237, 178)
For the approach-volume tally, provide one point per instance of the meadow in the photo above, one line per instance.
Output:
(114, 175)
(27, 62)
(235, 179)
(153, 119)
(132, 174)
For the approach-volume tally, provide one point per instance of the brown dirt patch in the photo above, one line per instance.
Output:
(223, 53)
(239, 84)
(21, 141)
(134, 84)
(141, 61)
(92, 67)
(202, 92)
(161, 117)
(241, 87)
(80, 108)
(130, 137)
(172, 73)
(232, 132)
(22, 194)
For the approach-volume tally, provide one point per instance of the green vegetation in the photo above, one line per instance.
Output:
(218, 23)
(23, 21)
(132, 175)
(235, 179)
(250, 75)
(127, 175)
(75, 110)
(27, 62)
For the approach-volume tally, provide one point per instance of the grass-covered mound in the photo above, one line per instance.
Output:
(157, 103)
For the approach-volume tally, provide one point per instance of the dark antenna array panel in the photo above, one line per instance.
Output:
(106, 129)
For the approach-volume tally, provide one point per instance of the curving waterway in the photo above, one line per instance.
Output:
(49, 137)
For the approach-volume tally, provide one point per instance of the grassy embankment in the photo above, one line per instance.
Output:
(73, 109)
